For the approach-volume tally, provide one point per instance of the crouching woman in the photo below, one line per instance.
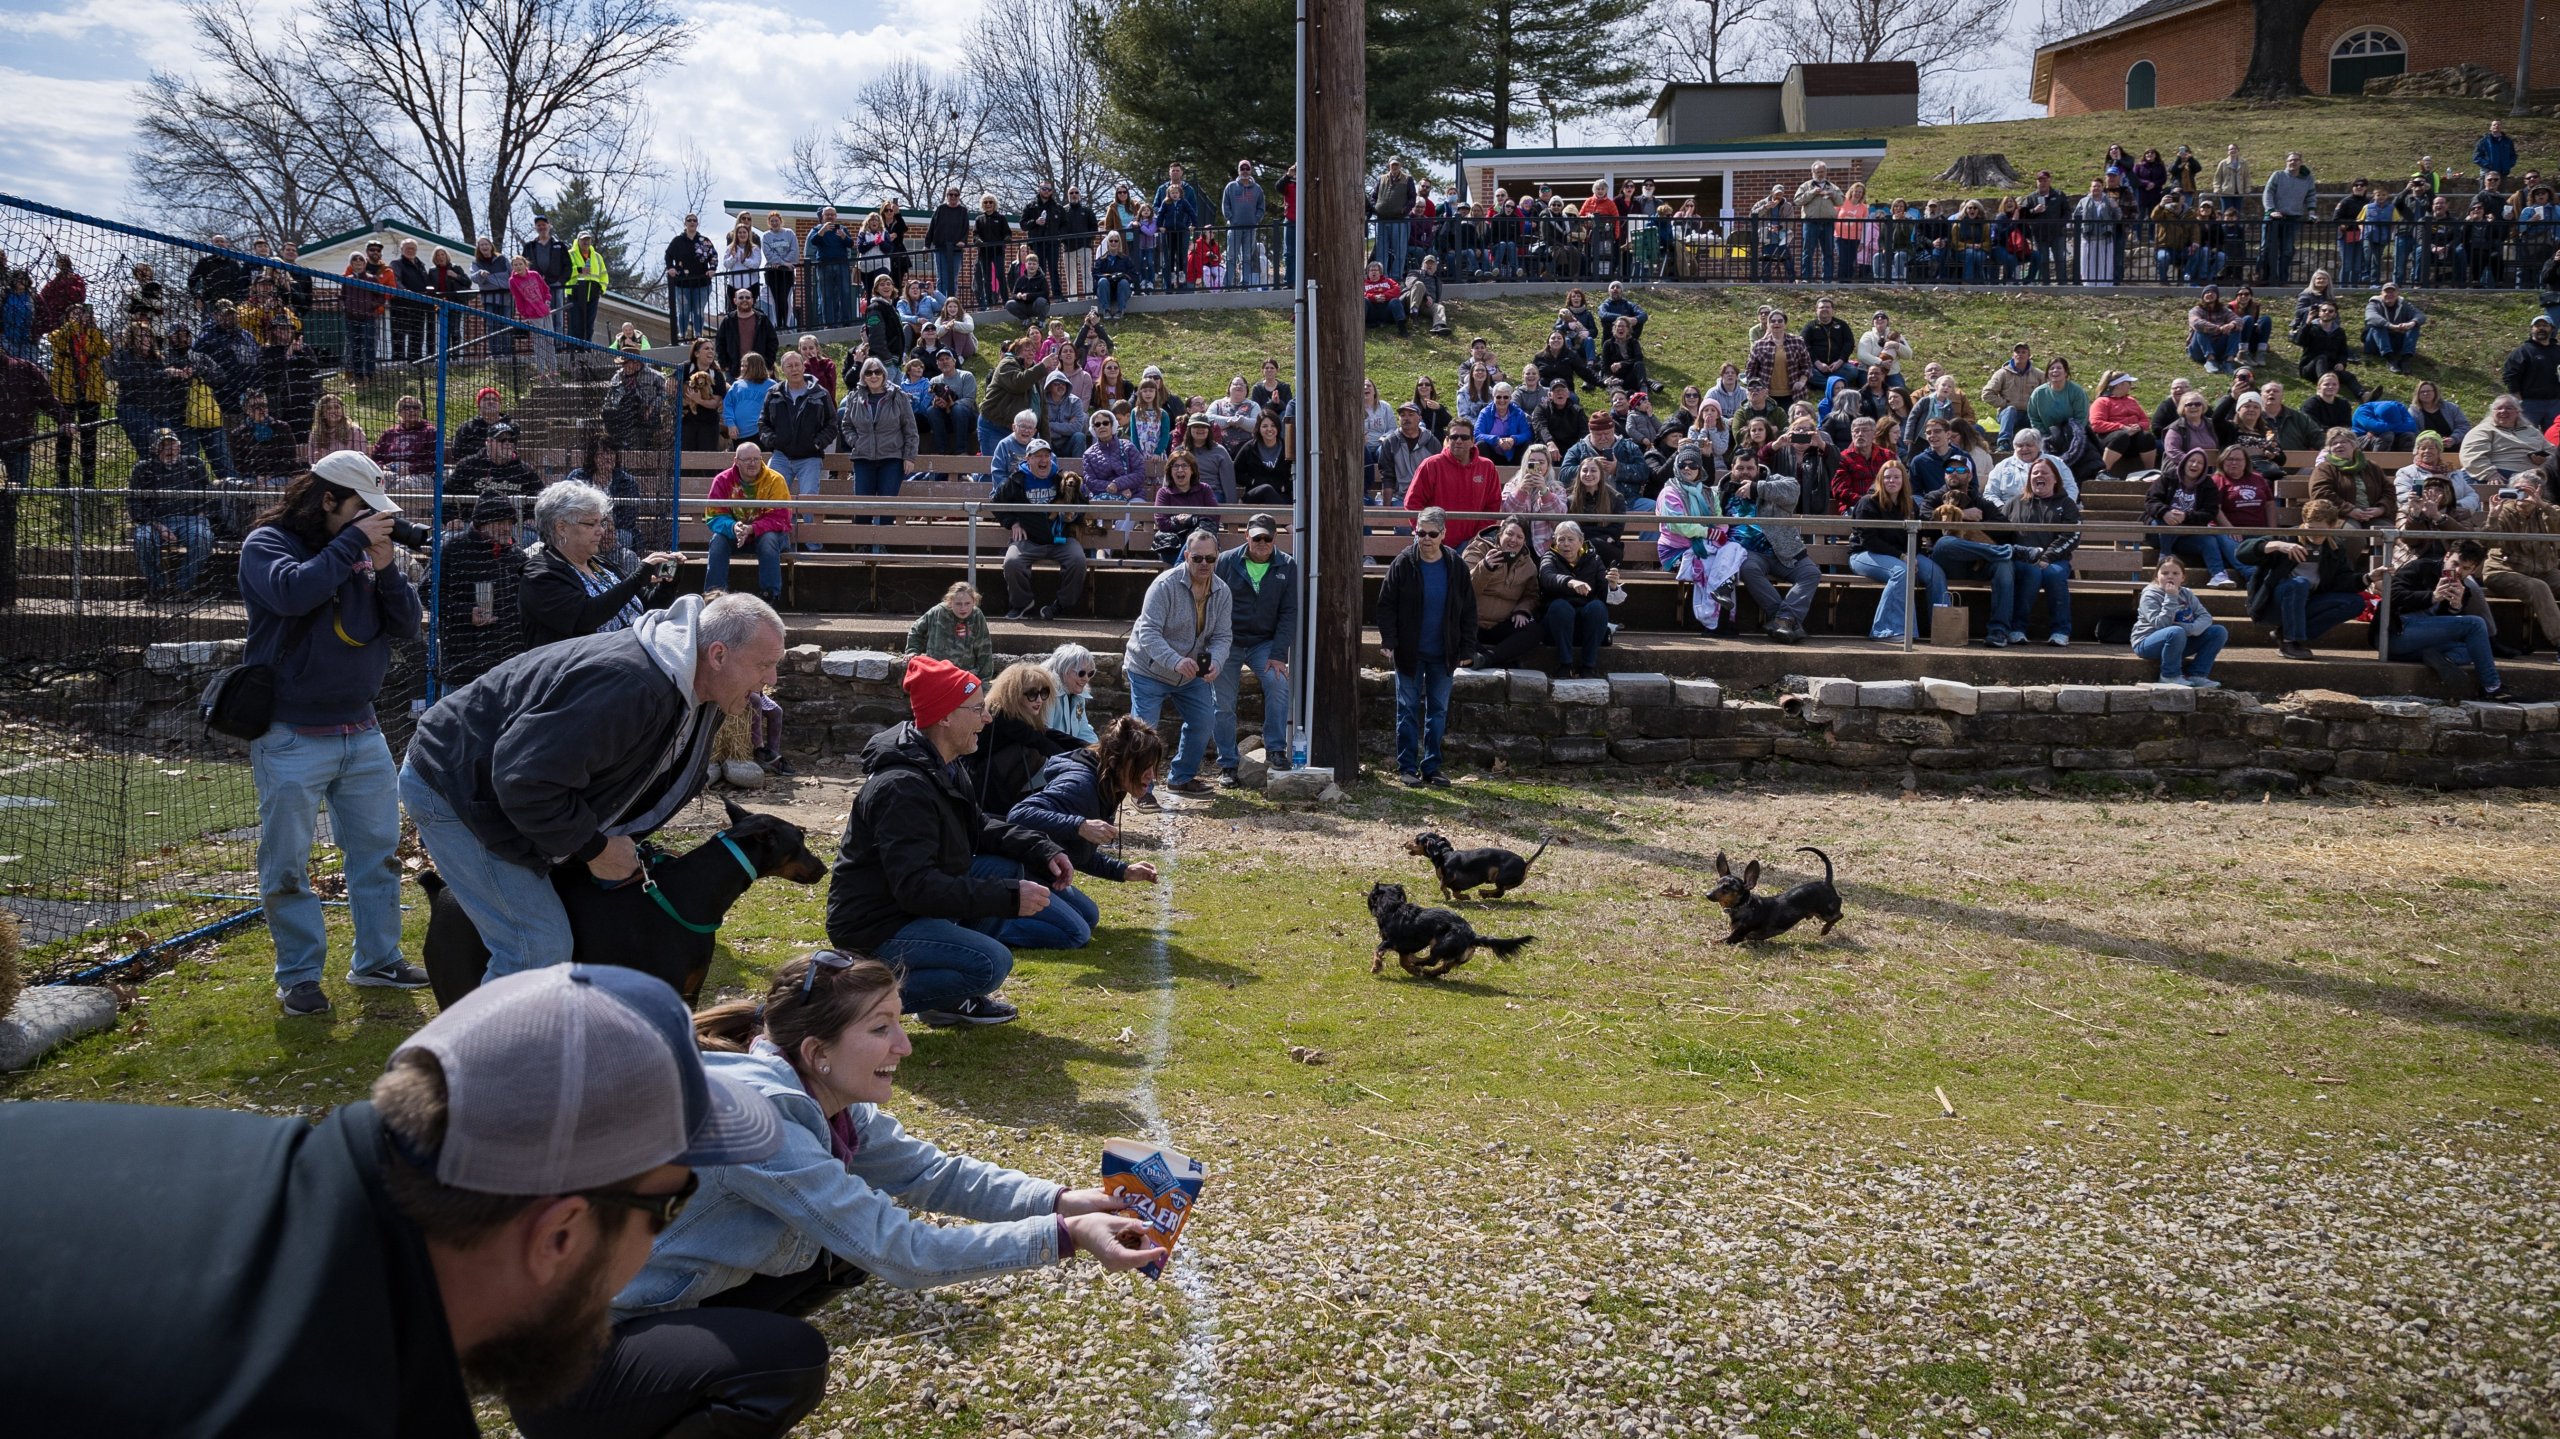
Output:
(709, 1338)
(1076, 799)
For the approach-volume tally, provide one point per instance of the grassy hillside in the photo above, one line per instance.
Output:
(1693, 331)
(2341, 138)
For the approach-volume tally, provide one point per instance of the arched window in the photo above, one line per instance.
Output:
(2362, 55)
(2141, 86)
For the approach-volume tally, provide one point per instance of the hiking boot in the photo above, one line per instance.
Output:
(402, 975)
(304, 998)
(977, 1009)
(2294, 650)
(1193, 786)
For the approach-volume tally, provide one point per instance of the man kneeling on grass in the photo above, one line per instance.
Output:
(925, 880)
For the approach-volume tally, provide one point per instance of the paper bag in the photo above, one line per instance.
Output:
(1950, 626)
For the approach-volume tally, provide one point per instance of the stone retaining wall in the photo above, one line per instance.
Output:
(1926, 732)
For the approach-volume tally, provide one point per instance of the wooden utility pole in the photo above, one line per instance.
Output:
(2524, 64)
(1333, 230)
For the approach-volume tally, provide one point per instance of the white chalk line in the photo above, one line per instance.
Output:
(1192, 1387)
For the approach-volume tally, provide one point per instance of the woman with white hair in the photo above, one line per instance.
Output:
(1069, 708)
(568, 589)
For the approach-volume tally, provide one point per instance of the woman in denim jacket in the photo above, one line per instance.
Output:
(712, 1327)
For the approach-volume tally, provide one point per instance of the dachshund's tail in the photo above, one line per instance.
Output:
(1817, 854)
(1533, 855)
(1504, 947)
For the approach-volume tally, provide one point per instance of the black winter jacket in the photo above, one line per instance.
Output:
(908, 842)
(552, 604)
(948, 229)
(1008, 760)
(1067, 793)
(797, 426)
(1400, 610)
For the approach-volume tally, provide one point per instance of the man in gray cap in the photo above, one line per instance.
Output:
(463, 1231)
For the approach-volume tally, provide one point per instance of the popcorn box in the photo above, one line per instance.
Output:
(1156, 1183)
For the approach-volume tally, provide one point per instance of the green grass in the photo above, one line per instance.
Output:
(90, 805)
(2140, 994)
(1692, 332)
(2340, 138)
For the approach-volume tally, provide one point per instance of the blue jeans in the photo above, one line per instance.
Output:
(2392, 344)
(353, 775)
(499, 305)
(690, 302)
(1819, 255)
(1888, 568)
(2423, 635)
(1067, 922)
(2029, 578)
(1194, 700)
(1275, 705)
(1422, 715)
(2012, 420)
(2351, 269)
(2172, 648)
(515, 909)
(2256, 331)
(1576, 630)
(2203, 266)
(2279, 253)
(1962, 559)
(881, 480)
(803, 475)
(2216, 349)
(1391, 246)
(191, 534)
(2404, 257)
(2304, 616)
(358, 359)
(1113, 292)
(768, 546)
(946, 271)
(991, 434)
(835, 294)
(1244, 256)
(2216, 552)
(944, 962)
(1506, 260)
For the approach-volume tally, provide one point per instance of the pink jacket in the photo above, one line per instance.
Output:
(533, 297)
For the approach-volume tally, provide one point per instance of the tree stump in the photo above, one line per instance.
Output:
(1981, 172)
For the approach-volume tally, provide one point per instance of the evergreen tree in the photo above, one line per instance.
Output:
(578, 207)
(1536, 66)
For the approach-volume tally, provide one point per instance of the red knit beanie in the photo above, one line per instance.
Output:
(935, 688)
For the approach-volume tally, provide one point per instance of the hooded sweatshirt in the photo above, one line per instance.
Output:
(561, 747)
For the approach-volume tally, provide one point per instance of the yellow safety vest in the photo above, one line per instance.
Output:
(586, 267)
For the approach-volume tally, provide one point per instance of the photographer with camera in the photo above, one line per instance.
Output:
(327, 605)
(568, 589)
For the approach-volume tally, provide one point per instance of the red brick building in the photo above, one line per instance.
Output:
(2181, 52)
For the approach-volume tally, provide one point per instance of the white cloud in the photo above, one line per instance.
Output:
(66, 141)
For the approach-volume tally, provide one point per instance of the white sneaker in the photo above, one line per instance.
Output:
(2222, 581)
(2201, 682)
(2060, 641)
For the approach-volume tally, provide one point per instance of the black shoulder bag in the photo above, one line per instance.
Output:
(241, 701)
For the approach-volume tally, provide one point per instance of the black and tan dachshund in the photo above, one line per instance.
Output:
(628, 924)
(1756, 917)
(1461, 870)
(1445, 940)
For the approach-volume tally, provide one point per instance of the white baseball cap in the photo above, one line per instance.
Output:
(349, 470)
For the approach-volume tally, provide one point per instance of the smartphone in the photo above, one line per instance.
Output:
(484, 595)
(666, 570)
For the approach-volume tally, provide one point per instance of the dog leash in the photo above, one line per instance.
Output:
(649, 885)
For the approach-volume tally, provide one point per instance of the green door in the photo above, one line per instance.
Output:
(2141, 86)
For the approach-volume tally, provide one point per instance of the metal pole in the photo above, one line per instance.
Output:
(2524, 63)
(2382, 600)
(1910, 582)
(435, 576)
(1330, 193)
(1304, 509)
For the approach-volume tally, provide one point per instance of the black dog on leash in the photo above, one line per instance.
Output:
(1756, 918)
(1461, 870)
(664, 923)
(1409, 930)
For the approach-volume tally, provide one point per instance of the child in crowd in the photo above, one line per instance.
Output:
(2172, 628)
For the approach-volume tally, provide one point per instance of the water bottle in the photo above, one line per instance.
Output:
(1297, 747)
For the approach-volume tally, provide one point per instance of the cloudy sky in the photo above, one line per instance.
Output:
(71, 67)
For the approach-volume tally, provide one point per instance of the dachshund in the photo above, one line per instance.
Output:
(1461, 870)
(1756, 918)
(1410, 930)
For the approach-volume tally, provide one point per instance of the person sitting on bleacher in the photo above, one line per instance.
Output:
(1209, 459)
(2040, 556)
(2326, 347)
(1876, 551)
(2524, 555)
(2304, 585)
(477, 592)
(764, 529)
(956, 633)
(1022, 500)
(2174, 629)
(2188, 498)
(2007, 482)
(2193, 430)
(164, 512)
(1978, 555)
(1005, 455)
(262, 446)
(948, 424)
(2427, 461)
(497, 466)
(1062, 415)
(2502, 444)
(2293, 429)
(2432, 620)
(2342, 476)
(1113, 468)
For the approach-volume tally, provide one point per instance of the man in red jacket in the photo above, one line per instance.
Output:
(1457, 479)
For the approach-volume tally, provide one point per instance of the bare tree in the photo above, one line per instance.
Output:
(1939, 36)
(467, 106)
(2062, 19)
(692, 179)
(1713, 41)
(910, 133)
(1041, 94)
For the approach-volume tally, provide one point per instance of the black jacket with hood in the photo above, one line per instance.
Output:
(554, 750)
(908, 842)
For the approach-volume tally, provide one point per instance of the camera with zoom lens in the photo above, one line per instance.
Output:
(408, 532)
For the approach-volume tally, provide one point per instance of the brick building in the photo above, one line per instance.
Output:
(2181, 52)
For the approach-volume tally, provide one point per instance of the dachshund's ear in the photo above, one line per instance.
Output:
(737, 816)
(1751, 875)
(1723, 865)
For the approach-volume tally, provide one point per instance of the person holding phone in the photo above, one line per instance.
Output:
(569, 588)
(482, 570)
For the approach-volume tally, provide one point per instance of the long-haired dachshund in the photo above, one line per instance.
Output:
(1756, 917)
(1461, 870)
(1443, 939)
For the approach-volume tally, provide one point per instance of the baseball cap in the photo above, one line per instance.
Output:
(1038, 446)
(1408, 406)
(349, 470)
(502, 431)
(1261, 525)
(1151, 372)
(577, 1075)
